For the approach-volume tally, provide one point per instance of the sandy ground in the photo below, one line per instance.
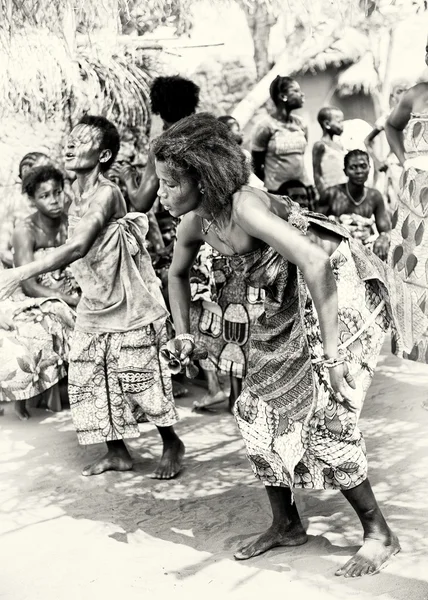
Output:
(124, 535)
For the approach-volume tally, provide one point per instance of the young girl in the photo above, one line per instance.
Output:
(34, 351)
(114, 359)
(328, 153)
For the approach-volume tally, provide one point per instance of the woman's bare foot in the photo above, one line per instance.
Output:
(289, 535)
(172, 459)
(178, 389)
(114, 460)
(208, 400)
(371, 557)
(21, 410)
(139, 415)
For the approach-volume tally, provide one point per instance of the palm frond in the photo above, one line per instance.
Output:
(41, 78)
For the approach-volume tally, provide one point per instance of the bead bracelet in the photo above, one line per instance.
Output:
(186, 337)
(330, 363)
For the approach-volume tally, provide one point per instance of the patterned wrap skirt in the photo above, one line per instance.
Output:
(324, 449)
(34, 354)
(409, 245)
(110, 374)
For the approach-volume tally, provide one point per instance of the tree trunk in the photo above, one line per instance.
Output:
(386, 73)
(69, 27)
(260, 21)
(259, 95)
(9, 17)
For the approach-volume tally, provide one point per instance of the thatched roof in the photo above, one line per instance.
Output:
(360, 77)
(406, 59)
(41, 77)
(345, 51)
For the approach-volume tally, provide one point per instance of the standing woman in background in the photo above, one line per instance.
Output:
(407, 133)
(279, 141)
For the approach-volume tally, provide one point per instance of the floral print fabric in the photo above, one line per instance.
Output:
(409, 240)
(33, 355)
(111, 373)
(325, 449)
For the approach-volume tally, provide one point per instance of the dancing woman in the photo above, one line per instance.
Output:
(120, 325)
(313, 351)
(407, 133)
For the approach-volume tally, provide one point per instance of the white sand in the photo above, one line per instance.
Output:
(124, 535)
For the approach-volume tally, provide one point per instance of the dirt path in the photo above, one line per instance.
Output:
(126, 536)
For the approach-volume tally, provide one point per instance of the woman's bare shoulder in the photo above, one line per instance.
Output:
(255, 197)
(190, 224)
(26, 227)
(246, 193)
(418, 95)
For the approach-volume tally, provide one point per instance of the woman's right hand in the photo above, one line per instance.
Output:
(180, 355)
(341, 380)
(72, 299)
(9, 282)
(6, 322)
(182, 349)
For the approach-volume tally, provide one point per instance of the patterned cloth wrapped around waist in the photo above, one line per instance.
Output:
(120, 290)
(416, 141)
(361, 228)
(267, 269)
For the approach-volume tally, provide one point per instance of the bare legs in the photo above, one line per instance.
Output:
(21, 411)
(235, 391)
(215, 393)
(172, 456)
(286, 528)
(118, 458)
(380, 543)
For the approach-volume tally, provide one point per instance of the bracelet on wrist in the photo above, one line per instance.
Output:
(330, 362)
(186, 337)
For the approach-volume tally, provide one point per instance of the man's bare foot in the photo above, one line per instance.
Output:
(112, 461)
(208, 400)
(22, 413)
(172, 460)
(371, 557)
(290, 535)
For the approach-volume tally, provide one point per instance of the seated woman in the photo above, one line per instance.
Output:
(17, 205)
(35, 350)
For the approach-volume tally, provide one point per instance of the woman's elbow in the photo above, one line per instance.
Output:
(317, 265)
(178, 275)
(78, 250)
(28, 288)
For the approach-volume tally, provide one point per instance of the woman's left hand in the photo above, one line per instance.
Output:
(6, 322)
(9, 282)
(381, 246)
(341, 380)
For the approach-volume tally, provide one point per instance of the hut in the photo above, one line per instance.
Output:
(403, 58)
(347, 73)
(45, 87)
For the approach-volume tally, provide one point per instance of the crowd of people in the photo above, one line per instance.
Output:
(281, 291)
